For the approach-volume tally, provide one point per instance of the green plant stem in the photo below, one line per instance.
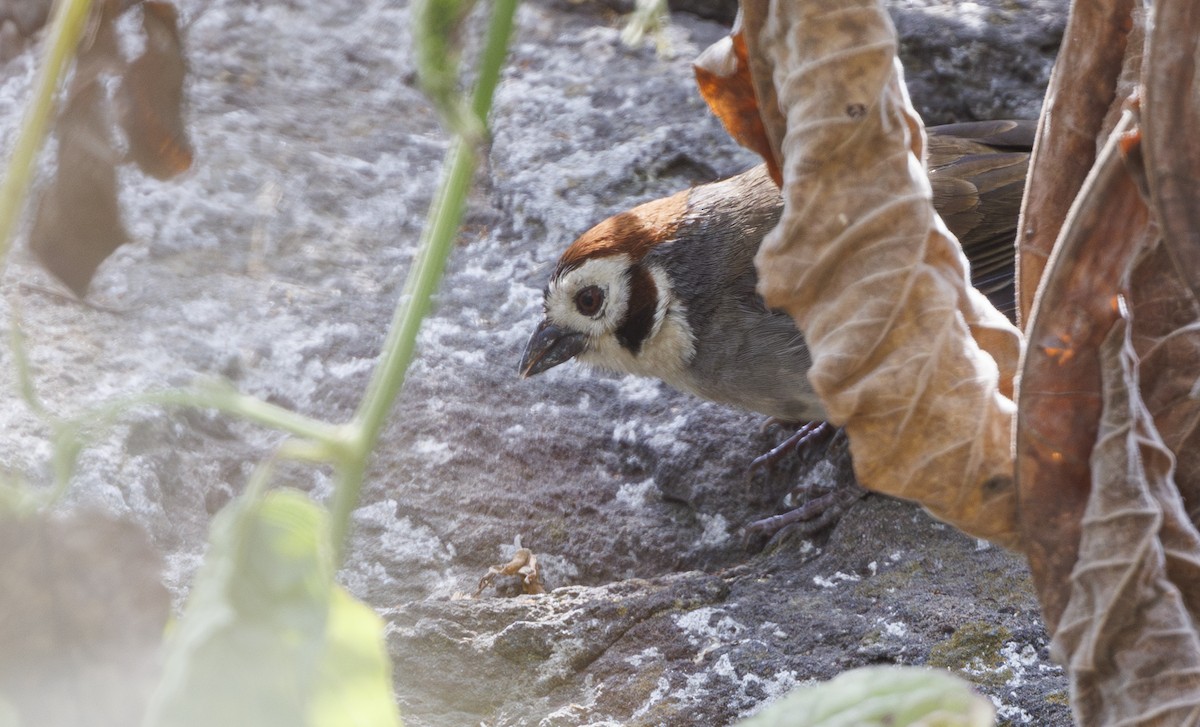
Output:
(60, 49)
(445, 215)
(70, 17)
(491, 60)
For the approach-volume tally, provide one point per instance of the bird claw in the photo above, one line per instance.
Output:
(806, 434)
(808, 519)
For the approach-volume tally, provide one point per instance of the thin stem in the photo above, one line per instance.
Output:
(491, 61)
(70, 17)
(445, 215)
(60, 49)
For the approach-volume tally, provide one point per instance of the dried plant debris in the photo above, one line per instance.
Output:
(1128, 632)
(919, 369)
(1171, 116)
(523, 564)
(723, 76)
(78, 219)
(1083, 88)
(150, 97)
(1107, 439)
(1167, 341)
(78, 222)
(908, 356)
(1060, 395)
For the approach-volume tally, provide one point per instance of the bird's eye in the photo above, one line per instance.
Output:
(589, 300)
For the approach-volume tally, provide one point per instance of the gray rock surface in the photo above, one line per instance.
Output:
(278, 260)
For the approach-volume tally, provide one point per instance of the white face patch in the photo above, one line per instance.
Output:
(607, 274)
(664, 353)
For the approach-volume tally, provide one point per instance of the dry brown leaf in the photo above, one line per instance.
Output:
(1171, 120)
(82, 611)
(1060, 395)
(1128, 634)
(873, 277)
(723, 75)
(1166, 336)
(78, 219)
(1083, 88)
(524, 564)
(151, 99)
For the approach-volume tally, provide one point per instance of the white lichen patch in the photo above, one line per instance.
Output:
(716, 530)
(894, 629)
(709, 625)
(638, 389)
(645, 656)
(636, 494)
(835, 579)
(435, 452)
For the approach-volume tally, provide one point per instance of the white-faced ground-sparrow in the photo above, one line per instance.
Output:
(667, 289)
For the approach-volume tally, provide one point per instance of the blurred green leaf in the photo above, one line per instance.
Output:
(267, 638)
(8, 714)
(354, 688)
(881, 697)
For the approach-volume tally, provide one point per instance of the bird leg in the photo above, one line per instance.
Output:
(808, 433)
(824, 502)
(811, 517)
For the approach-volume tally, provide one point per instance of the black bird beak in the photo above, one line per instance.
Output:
(549, 346)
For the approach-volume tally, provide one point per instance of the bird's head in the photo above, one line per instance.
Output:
(608, 305)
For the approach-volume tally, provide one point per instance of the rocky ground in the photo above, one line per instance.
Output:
(277, 261)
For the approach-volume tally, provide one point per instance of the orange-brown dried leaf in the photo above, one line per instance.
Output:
(1059, 398)
(874, 279)
(151, 98)
(1083, 89)
(78, 224)
(523, 564)
(753, 17)
(1128, 633)
(723, 75)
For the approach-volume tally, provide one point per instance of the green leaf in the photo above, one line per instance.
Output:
(354, 688)
(8, 714)
(881, 697)
(265, 629)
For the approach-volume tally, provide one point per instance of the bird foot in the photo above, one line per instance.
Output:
(810, 518)
(808, 434)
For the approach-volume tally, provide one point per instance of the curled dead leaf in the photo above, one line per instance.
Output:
(524, 564)
(77, 224)
(1171, 117)
(151, 99)
(1083, 88)
(1128, 630)
(1060, 396)
(900, 339)
(723, 76)
(1167, 340)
